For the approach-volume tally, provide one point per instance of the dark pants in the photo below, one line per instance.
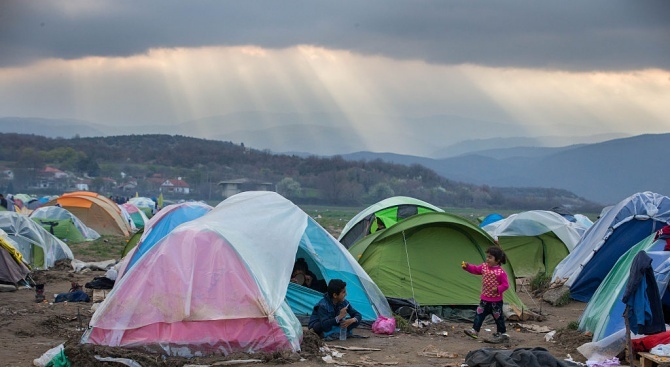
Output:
(316, 326)
(486, 308)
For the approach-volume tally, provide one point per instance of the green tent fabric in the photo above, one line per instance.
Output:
(63, 224)
(132, 242)
(530, 255)
(388, 211)
(63, 229)
(420, 257)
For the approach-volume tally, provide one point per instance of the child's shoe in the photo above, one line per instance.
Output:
(472, 333)
(498, 338)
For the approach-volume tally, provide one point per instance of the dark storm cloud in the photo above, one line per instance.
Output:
(570, 35)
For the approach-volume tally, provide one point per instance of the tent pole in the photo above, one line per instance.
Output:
(629, 342)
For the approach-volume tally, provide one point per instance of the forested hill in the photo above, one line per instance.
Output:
(111, 161)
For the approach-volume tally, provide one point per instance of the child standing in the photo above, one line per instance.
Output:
(494, 284)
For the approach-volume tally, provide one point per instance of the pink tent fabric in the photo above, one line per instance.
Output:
(200, 296)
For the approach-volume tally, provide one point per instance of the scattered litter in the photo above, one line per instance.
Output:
(432, 352)
(549, 336)
(420, 324)
(336, 354)
(534, 328)
(48, 356)
(444, 333)
(435, 319)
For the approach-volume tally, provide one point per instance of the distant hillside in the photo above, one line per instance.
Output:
(109, 163)
(510, 146)
(605, 172)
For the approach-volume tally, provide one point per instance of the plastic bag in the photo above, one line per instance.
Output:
(384, 325)
(47, 356)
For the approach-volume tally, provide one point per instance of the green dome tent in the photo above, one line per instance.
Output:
(389, 211)
(420, 258)
(63, 224)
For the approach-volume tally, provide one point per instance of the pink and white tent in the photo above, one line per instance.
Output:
(216, 284)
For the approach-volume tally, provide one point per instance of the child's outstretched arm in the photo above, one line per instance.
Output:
(471, 268)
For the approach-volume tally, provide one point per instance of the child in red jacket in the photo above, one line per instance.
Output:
(494, 284)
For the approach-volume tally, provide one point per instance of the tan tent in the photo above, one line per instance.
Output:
(96, 211)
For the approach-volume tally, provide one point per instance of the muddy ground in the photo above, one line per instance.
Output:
(28, 329)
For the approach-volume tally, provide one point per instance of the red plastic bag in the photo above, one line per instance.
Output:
(384, 325)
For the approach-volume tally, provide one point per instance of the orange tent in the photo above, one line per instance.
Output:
(96, 211)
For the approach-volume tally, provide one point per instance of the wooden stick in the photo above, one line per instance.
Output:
(629, 342)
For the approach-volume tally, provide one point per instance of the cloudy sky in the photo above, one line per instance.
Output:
(601, 65)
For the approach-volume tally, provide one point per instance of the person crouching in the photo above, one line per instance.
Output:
(330, 313)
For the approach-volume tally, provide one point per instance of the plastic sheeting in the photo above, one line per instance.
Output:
(638, 207)
(29, 235)
(58, 213)
(535, 223)
(217, 283)
(160, 225)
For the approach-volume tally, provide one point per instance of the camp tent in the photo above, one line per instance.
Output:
(534, 241)
(420, 258)
(220, 283)
(145, 204)
(12, 268)
(127, 218)
(389, 211)
(603, 314)
(63, 224)
(39, 248)
(620, 228)
(136, 215)
(491, 218)
(96, 211)
(158, 227)
(131, 243)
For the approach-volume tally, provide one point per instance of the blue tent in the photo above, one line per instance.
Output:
(619, 229)
(160, 225)
(328, 260)
(603, 315)
(491, 218)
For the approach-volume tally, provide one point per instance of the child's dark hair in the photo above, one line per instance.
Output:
(497, 254)
(300, 264)
(335, 286)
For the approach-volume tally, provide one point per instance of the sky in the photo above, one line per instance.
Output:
(551, 68)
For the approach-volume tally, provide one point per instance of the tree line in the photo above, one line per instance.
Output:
(305, 180)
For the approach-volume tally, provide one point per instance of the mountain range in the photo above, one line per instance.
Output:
(601, 168)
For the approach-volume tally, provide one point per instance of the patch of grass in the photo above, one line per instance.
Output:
(402, 324)
(573, 325)
(539, 282)
(104, 248)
